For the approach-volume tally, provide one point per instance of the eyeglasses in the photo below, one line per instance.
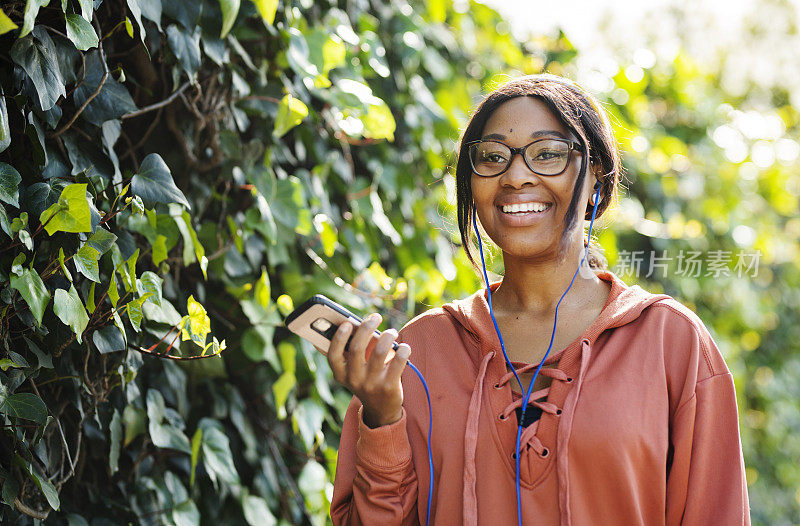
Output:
(490, 158)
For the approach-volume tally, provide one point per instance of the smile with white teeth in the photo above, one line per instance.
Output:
(520, 208)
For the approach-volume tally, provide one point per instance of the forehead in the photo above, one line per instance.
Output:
(523, 115)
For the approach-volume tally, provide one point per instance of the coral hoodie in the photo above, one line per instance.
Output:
(639, 426)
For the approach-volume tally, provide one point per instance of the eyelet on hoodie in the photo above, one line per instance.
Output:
(501, 416)
(545, 452)
(558, 412)
(497, 386)
(569, 380)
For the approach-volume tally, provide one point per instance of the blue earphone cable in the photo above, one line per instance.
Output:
(430, 453)
(549, 347)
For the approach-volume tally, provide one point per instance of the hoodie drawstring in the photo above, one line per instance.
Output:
(470, 496)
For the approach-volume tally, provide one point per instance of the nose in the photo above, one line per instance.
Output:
(518, 173)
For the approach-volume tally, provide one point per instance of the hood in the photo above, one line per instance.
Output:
(624, 305)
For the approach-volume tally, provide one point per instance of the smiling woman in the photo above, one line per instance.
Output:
(625, 409)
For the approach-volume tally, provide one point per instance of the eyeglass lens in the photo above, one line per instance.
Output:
(545, 157)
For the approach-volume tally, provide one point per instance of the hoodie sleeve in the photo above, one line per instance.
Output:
(375, 479)
(706, 482)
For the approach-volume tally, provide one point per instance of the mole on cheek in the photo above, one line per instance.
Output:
(511, 130)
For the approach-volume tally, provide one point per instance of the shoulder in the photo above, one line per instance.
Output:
(431, 320)
(686, 340)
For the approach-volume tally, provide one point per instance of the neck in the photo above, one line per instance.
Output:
(535, 286)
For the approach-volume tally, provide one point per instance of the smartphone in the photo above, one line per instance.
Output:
(317, 320)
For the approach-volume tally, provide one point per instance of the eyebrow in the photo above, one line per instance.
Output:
(534, 135)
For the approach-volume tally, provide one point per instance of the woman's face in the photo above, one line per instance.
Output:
(536, 232)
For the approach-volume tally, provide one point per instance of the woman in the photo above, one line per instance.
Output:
(633, 416)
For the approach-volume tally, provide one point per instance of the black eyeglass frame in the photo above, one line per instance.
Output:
(573, 145)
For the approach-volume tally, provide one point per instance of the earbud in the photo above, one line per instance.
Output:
(595, 198)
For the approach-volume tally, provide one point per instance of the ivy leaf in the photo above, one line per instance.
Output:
(257, 512)
(113, 293)
(186, 47)
(5, 130)
(159, 249)
(31, 10)
(108, 339)
(44, 485)
(379, 122)
(33, 291)
(5, 225)
(187, 12)
(25, 405)
(267, 9)
(163, 435)
(197, 324)
(134, 310)
(197, 441)
(81, 32)
(6, 25)
(37, 57)
(115, 430)
(154, 183)
(102, 240)
(86, 262)
(230, 8)
(112, 102)
(39, 196)
(217, 456)
(150, 283)
(291, 112)
(70, 310)
(87, 9)
(307, 419)
(70, 214)
(9, 184)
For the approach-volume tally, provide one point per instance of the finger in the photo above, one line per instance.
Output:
(335, 356)
(377, 360)
(398, 363)
(361, 339)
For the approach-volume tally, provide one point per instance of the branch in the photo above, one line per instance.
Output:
(91, 97)
(158, 105)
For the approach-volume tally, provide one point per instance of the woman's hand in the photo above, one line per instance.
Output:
(374, 381)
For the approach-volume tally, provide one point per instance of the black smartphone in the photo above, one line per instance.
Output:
(317, 320)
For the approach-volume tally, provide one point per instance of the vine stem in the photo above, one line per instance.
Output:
(91, 97)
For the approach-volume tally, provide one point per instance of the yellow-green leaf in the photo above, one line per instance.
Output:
(267, 9)
(290, 113)
(198, 322)
(230, 8)
(71, 212)
(379, 122)
(6, 24)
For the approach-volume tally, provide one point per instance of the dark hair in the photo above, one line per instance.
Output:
(581, 113)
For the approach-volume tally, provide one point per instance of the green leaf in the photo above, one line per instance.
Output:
(44, 485)
(184, 11)
(5, 130)
(159, 249)
(197, 325)
(267, 9)
(197, 441)
(150, 9)
(70, 214)
(81, 32)
(256, 511)
(281, 389)
(101, 240)
(230, 8)
(70, 310)
(6, 25)
(25, 405)
(9, 184)
(217, 456)
(36, 55)
(108, 339)
(32, 289)
(86, 262)
(87, 9)
(154, 183)
(291, 112)
(307, 419)
(150, 283)
(186, 47)
(112, 102)
(134, 420)
(115, 429)
(113, 293)
(31, 10)
(379, 122)
(134, 310)
(192, 248)
(62, 264)
(163, 435)
(5, 225)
